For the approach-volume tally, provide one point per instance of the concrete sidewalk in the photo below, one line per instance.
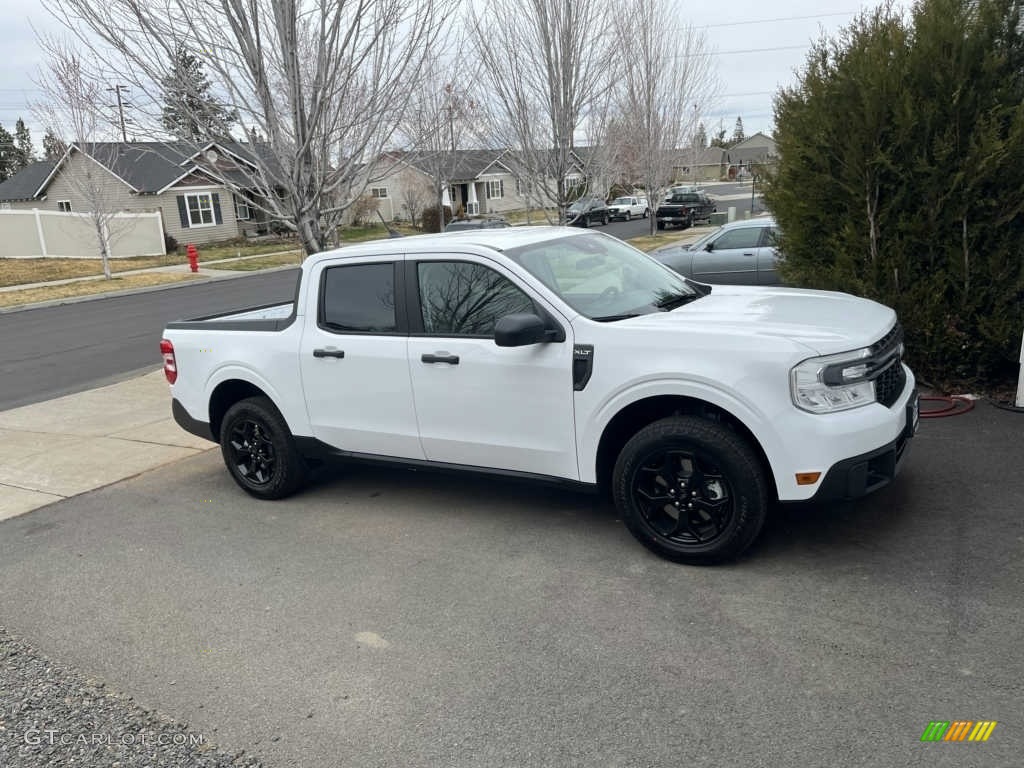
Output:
(67, 446)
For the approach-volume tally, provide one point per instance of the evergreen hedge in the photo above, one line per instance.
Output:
(901, 178)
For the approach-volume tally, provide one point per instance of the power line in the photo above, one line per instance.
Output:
(779, 19)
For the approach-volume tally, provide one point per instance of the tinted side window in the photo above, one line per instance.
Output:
(748, 237)
(359, 298)
(458, 298)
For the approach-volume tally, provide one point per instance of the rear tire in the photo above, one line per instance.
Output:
(691, 490)
(259, 450)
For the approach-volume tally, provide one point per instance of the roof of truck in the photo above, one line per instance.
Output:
(494, 239)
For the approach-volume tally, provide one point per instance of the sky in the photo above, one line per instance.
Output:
(757, 47)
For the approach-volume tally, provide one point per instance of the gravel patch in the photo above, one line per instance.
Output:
(51, 715)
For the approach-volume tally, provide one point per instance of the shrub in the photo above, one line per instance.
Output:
(170, 244)
(429, 218)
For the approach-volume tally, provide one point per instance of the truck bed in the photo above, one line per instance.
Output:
(270, 317)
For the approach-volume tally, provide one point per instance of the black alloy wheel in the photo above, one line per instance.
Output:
(691, 490)
(259, 450)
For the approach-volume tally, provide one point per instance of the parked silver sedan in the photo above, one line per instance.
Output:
(739, 253)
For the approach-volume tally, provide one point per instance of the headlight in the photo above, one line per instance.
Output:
(833, 383)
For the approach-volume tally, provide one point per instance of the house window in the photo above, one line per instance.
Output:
(64, 206)
(379, 192)
(495, 189)
(524, 188)
(243, 211)
(200, 210)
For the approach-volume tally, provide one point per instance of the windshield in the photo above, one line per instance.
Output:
(685, 197)
(622, 201)
(603, 278)
(579, 205)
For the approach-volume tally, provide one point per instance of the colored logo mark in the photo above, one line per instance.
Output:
(958, 730)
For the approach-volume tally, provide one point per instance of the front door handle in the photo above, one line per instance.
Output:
(440, 357)
(328, 353)
(747, 253)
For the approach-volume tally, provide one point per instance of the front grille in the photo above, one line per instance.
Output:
(890, 383)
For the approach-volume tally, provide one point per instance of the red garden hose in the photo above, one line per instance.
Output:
(953, 405)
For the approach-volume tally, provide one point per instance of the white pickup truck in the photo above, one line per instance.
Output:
(561, 355)
(628, 207)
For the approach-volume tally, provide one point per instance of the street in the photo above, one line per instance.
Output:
(401, 618)
(54, 351)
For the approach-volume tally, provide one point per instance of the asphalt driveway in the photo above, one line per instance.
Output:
(406, 618)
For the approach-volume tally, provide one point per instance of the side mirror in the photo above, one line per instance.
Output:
(519, 330)
(709, 247)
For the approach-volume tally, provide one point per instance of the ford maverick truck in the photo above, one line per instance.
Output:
(560, 355)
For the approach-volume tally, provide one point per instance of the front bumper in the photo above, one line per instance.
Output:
(863, 474)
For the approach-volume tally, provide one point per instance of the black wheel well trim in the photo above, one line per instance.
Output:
(226, 394)
(633, 417)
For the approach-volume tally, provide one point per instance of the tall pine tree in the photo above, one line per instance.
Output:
(7, 154)
(190, 111)
(737, 132)
(24, 152)
(53, 146)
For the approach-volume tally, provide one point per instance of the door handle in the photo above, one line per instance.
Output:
(748, 254)
(328, 353)
(440, 357)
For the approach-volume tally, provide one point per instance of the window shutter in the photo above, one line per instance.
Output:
(217, 217)
(183, 211)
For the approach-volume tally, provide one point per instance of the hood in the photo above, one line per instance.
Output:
(824, 321)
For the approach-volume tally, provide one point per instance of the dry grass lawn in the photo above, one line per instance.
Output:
(87, 288)
(21, 271)
(667, 237)
(292, 258)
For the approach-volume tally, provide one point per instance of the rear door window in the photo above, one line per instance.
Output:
(358, 299)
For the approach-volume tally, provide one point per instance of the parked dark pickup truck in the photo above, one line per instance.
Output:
(684, 208)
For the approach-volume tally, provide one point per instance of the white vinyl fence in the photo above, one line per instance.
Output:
(35, 233)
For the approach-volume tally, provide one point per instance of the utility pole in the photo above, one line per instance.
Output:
(120, 109)
(695, 145)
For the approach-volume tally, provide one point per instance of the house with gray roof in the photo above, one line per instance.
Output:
(201, 193)
(480, 181)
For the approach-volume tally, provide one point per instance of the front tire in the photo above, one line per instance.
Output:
(647, 212)
(661, 225)
(259, 451)
(604, 220)
(629, 215)
(691, 490)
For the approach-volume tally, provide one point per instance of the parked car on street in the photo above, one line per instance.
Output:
(587, 210)
(556, 355)
(685, 208)
(628, 207)
(739, 253)
(482, 222)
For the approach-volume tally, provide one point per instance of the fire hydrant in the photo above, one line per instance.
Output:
(193, 257)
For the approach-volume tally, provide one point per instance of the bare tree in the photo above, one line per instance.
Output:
(437, 124)
(324, 83)
(71, 109)
(665, 82)
(416, 194)
(544, 62)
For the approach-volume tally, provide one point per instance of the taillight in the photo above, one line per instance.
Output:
(170, 365)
